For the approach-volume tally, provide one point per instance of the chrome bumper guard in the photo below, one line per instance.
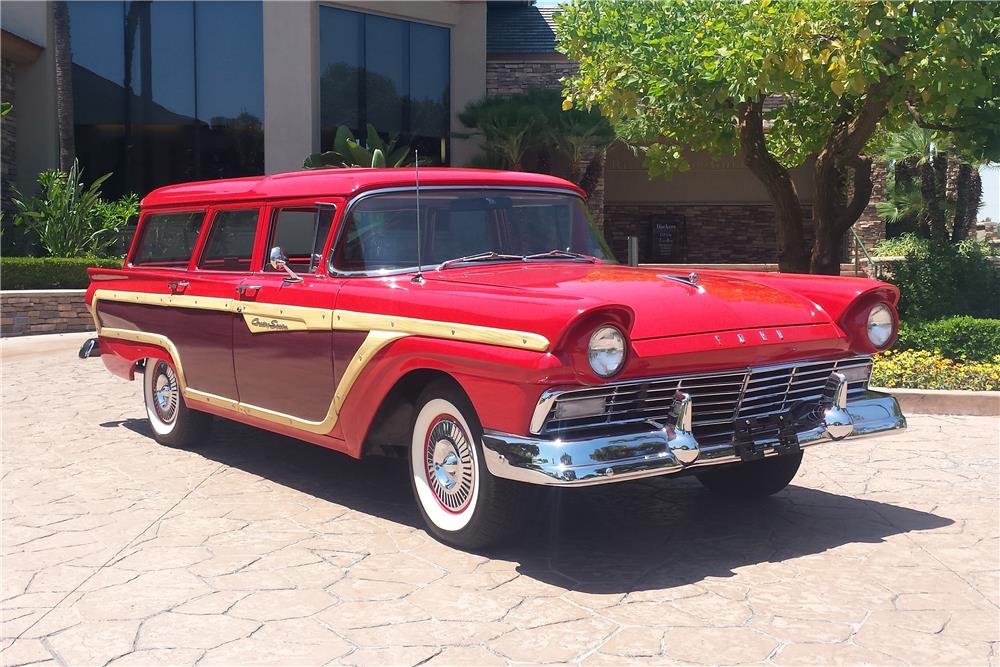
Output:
(672, 447)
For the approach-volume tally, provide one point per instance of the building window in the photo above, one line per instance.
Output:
(393, 74)
(166, 92)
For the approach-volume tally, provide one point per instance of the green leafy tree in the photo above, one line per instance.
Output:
(349, 152)
(676, 75)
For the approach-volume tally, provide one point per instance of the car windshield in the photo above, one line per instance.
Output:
(459, 226)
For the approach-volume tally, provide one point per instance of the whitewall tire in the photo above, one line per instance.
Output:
(460, 501)
(172, 422)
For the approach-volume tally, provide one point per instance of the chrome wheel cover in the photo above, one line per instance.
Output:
(448, 464)
(166, 392)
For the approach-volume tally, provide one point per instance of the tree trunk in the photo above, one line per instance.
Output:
(969, 190)
(592, 174)
(932, 190)
(792, 256)
(833, 211)
(64, 83)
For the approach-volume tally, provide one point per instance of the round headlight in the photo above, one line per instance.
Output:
(880, 325)
(606, 351)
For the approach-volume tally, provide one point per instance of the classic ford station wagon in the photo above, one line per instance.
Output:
(478, 326)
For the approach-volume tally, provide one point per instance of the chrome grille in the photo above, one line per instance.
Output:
(719, 398)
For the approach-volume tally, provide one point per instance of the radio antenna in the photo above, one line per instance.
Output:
(419, 278)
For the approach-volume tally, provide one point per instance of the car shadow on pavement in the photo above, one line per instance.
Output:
(648, 534)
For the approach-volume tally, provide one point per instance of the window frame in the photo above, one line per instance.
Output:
(268, 212)
(209, 224)
(140, 231)
(341, 225)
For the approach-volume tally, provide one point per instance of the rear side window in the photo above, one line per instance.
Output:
(230, 241)
(168, 239)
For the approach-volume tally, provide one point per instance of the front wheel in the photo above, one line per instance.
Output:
(757, 479)
(459, 500)
(173, 422)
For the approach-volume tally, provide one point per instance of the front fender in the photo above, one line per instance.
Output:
(503, 383)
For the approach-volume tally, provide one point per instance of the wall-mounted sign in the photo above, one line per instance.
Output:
(667, 240)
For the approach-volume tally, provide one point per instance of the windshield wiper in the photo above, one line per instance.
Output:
(490, 256)
(562, 253)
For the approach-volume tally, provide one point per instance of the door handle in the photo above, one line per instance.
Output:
(177, 286)
(247, 291)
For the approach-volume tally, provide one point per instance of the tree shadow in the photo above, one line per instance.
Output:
(648, 534)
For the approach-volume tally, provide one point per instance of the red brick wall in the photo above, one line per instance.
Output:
(716, 233)
(25, 312)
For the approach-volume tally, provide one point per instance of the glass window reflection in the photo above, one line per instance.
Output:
(166, 92)
(391, 73)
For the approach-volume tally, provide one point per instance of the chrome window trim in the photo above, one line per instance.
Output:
(548, 398)
(380, 273)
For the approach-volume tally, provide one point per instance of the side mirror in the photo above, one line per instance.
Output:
(279, 262)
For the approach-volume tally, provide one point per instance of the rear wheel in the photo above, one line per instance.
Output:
(459, 500)
(173, 423)
(757, 479)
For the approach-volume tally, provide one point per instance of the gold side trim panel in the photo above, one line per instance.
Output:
(307, 318)
(267, 318)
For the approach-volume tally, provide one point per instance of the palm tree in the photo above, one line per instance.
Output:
(931, 189)
(509, 127)
(64, 83)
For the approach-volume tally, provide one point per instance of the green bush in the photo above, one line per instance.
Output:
(70, 219)
(920, 369)
(938, 280)
(955, 338)
(50, 272)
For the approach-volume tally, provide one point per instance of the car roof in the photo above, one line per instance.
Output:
(338, 182)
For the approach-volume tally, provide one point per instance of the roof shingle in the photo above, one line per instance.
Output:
(515, 28)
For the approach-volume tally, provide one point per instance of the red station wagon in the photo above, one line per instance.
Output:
(479, 326)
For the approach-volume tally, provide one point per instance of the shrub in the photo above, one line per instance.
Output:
(920, 369)
(942, 279)
(71, 219)
(959, 338)
(50, 272)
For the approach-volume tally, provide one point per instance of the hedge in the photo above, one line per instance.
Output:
(920, 369)
(958, 338)
(49, 272)
(938, 280)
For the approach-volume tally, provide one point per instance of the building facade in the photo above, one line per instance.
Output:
(165, 92)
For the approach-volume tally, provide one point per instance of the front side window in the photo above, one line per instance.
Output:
(168, 239)
(380, 231)
(300, 233)
(230, 241)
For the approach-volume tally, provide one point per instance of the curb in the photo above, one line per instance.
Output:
(946, 402)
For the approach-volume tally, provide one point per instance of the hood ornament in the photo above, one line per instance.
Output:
(691, 279)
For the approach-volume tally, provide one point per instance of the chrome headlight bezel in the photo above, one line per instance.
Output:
(881, 326)
(606, 351)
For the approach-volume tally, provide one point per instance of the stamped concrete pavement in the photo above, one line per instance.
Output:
(257, 549)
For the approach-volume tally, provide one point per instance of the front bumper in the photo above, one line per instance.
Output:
(668, 450)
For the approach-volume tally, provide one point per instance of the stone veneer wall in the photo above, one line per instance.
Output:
(870, 227)
(508, 78)
(8, 135)
(716, 233)
(24, 312)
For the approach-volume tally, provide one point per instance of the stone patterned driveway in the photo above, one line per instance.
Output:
(259, 549)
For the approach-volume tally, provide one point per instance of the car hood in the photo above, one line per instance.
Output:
(662, 305)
